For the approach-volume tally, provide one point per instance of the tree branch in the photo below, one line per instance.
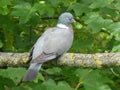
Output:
(99, 60)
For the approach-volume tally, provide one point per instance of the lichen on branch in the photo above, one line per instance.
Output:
(98, 60)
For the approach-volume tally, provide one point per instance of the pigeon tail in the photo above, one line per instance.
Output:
(31, 73)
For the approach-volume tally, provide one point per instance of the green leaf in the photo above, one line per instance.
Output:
(50, 11)
(108, 12)
(81, 72)
(40, 77)
(117, 5)
(63, 86)
(4, 6)
(8, 73)
(90, 17)
(116, 48)
(4, 10)
(98, 23)
(54, 3)
(68, 73)
(6, 82)
(1, 44)
(46, 10)
(5, 2)
(18, 88)
(100, 3)
(78, 25)
(104, 87)
(79, 9)
(116, 70)
(48, 85)
(54, 70)
(83, 42)
(96, 81)
(95, 22)
(115, 30)
(24, 11)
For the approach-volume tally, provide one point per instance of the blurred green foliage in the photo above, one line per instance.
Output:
(97, 30)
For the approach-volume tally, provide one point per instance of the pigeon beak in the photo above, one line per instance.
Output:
(73, 20)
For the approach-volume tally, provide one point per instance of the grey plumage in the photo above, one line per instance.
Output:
(53, 43)
(32, 72)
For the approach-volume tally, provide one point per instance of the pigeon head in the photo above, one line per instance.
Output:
(66, 19)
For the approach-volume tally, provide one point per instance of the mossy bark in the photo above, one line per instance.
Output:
(98, 60)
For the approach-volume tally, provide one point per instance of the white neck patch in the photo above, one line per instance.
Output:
(62, 26)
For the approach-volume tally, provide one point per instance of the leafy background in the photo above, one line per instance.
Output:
(97, 30)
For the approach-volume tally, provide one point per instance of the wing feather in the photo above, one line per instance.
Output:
(53, 42)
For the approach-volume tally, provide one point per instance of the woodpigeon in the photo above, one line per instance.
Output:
(53, 43)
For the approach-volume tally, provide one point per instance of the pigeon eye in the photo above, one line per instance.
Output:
(69, 19)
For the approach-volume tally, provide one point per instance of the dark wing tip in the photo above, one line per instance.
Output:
(30, 56)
